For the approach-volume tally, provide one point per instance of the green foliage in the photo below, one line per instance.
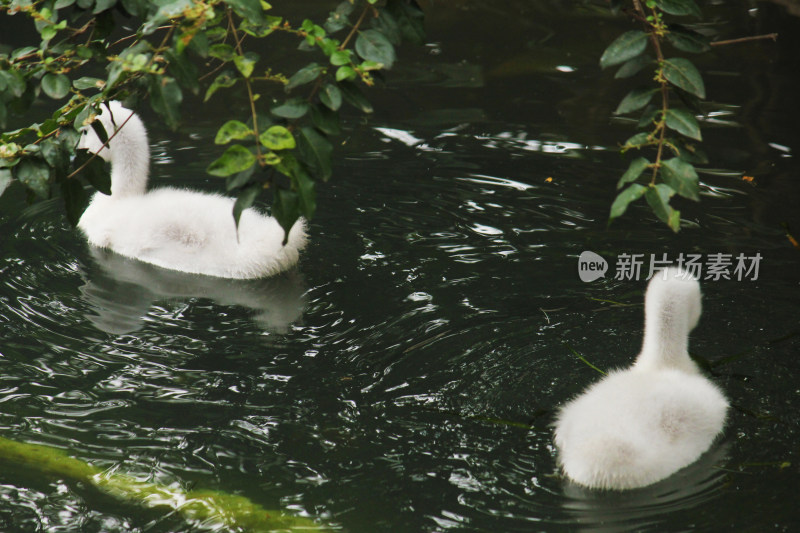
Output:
(667, 128)
(228, 512)
(178, 48)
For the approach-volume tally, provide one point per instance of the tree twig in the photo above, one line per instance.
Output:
(355, 28)
(105, 145)
(773, 36)
(250, 96)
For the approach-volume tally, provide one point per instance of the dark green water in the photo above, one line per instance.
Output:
(382, 386)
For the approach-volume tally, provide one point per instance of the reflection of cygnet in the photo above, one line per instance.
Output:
(613, 511)
(122, 291)
(640, 425)
(183, 230)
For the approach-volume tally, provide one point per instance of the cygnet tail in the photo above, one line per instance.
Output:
(605, 462)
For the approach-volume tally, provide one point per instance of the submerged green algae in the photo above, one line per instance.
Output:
(213, 509)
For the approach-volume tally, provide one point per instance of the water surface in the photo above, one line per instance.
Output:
(404, 377)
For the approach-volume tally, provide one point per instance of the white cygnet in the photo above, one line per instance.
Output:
(178, 229)
(640, 425)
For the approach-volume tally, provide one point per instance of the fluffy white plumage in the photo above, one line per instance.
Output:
(640, 425)
(178, 229)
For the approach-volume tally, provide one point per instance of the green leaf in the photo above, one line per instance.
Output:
(248, 9)
(5, 179)
(235, 159)
(245, 199)
(48, 32)
(35, 175)
(95, 171)
(679, 7)
(648, 117)
(198, 43)
(54, 155)
(102, 5)
(339, 18)
(307, 74)
(98, 175)
(658, 198)
(341, 57)
(277, 138)
(261, 30)
(684, 123)
(636, 99)
(316, 152)
(75, 200)
(674, 221)
(240, 179)
(99, 130)
(167, 9)
(184, 70)
(345, 73)
(55, 86)
(232, 130)
(691, 101)
(165, 99)
(22, 52)
(355, 97)
(684, 75)
(221, 51)
(225, 79)
(246, 63)
(386, 24)
(687, 40)
(374, 46)
(681, 177)
(633, 66)
(635, 170)
(306, 190)
(291, 109)
(325, 120)
(627, 46)
(636, 141)
(689, 153)
(331, 96)
(632, 193)
(87, 82)
(14, 82)
(409, 19)
(286, 209)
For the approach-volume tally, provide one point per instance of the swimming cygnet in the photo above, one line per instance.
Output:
(640, 425)
(179, 229)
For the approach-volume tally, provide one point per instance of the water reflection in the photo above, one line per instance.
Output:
(632, 510)
(121, 291)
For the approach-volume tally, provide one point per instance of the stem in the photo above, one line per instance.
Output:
(773, 36)
(239, 51)
(134, 36)
(105, 145)
(661, 127)
(355, 28)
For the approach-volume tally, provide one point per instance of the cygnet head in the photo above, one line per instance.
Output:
(672, 309)
(128, 150)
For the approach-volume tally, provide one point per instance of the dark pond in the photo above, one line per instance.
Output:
(405, 376)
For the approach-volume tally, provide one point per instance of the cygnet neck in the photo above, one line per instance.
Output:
(130, 154)
(670, 314)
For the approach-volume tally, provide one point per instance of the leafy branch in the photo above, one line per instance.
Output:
(670, 130)
(189, 46)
